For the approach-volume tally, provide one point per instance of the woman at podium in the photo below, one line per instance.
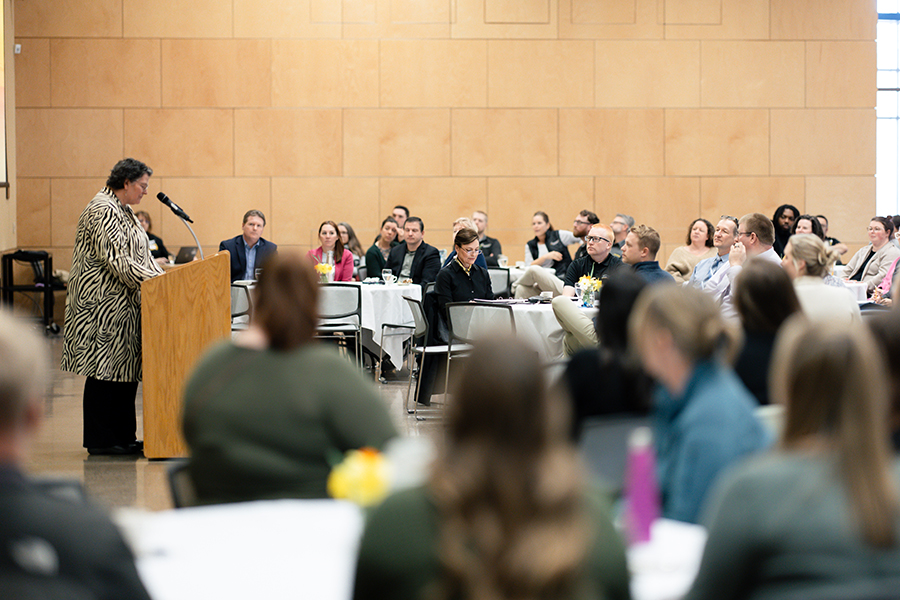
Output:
(103, 309)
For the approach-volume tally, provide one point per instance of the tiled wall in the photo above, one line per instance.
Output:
(340, 109)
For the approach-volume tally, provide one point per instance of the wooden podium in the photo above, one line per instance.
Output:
(182, 313)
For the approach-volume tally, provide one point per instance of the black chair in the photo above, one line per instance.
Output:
(340, 314)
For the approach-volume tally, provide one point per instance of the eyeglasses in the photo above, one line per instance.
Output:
(740, 233)
(593, 239)
(143, 185)
(472, 252)
(875, 229)
(577, 222)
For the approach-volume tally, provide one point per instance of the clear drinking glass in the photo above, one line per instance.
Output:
(387, 275)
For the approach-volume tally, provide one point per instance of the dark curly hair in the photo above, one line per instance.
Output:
(127, 169)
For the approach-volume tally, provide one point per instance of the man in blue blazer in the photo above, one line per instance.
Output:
(414, 259)
(249, 250)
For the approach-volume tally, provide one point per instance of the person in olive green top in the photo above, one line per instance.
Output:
(265, 416)
(506, 512)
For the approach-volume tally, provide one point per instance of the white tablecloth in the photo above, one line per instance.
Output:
(385, 304)
(268, 549)
(665, 567)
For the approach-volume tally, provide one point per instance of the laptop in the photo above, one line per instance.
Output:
(186, 255)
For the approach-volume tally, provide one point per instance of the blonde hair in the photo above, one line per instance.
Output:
(812, 251)
(23, 368)
(831, 380)
(690, 316)
(647, 238)
(508, 483)
(466, 222)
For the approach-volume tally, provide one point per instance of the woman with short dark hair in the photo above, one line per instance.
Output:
(697, 246)
(264, 414)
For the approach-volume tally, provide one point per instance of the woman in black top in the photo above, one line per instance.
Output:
(462, 280)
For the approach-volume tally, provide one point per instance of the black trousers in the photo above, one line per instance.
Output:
(109, 418)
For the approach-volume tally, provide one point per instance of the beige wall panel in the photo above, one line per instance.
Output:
(693, 12)
(438, 201)
(69, 196)
(512, 201)
(667, 204)
(307, 73)
(740, 20)
(752, 74)
(33, 212)
(433, 73)
(611, 142)
(67, 142)
(737, 196)
(217, 205)
(517, 11)
(420, 11)
(472, 20)
(285, 19)
(33, 73)
(847, 202)
(505, 142)
(534, 74)
(717, 142)
(287, 142)
(656, 74)
(855, 87)
(616, 19)
(101, 73)
(824, 20)
(182, 142)
(325, 11)
(300, 205)
(396, 142)
(178, 19)
(385, 19)
(53, 18)
(823, 142)
(217, 73)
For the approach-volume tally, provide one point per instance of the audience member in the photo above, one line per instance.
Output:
(158, 250)
(639, 251)
(414, 259)
(264, 414)
(582, 225)
(808, 224)
(603, 380)
(817, 518)
(783, 221)
(703, 414)
(377, 254)
(883, 294)
(764, 298)
(110, 260)
(351, 243)
(400, 214)
(698, 246)
(331, 249)
(458, 225)
(723, 239)
(490, 247)
(51, 546)
(621, 225)
(836, 243)
(546, 257)
(886, 329)
(506, 512)
(597, 264)
(870, 264)
(755, 235)
(249, 251)
(807, 260)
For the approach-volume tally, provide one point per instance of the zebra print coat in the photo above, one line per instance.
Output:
(103, 305)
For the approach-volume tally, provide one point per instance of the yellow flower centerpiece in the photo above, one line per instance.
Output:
(363, 477)
(588, 286)
(324, 270)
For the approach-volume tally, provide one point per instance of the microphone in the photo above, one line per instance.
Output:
(175, 208)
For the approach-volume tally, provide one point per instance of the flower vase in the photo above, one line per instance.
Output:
(587, 297)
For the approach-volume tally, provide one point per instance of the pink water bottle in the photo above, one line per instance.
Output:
(641, 491)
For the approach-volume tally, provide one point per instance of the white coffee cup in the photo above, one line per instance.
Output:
(502, 261)
(546, 295)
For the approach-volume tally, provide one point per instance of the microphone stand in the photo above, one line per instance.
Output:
(188, 225)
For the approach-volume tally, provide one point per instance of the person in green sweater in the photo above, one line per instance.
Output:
(506, 512)
(265, 416)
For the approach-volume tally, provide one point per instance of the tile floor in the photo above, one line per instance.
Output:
(125, 481)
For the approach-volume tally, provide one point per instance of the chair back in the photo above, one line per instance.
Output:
(419, 318)
(604, 446)
(240, 299)
(469, 321)
(428, 287)
(340, 301)
(499, 281)
(362, 272)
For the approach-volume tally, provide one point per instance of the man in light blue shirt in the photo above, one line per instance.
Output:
(723, 239)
